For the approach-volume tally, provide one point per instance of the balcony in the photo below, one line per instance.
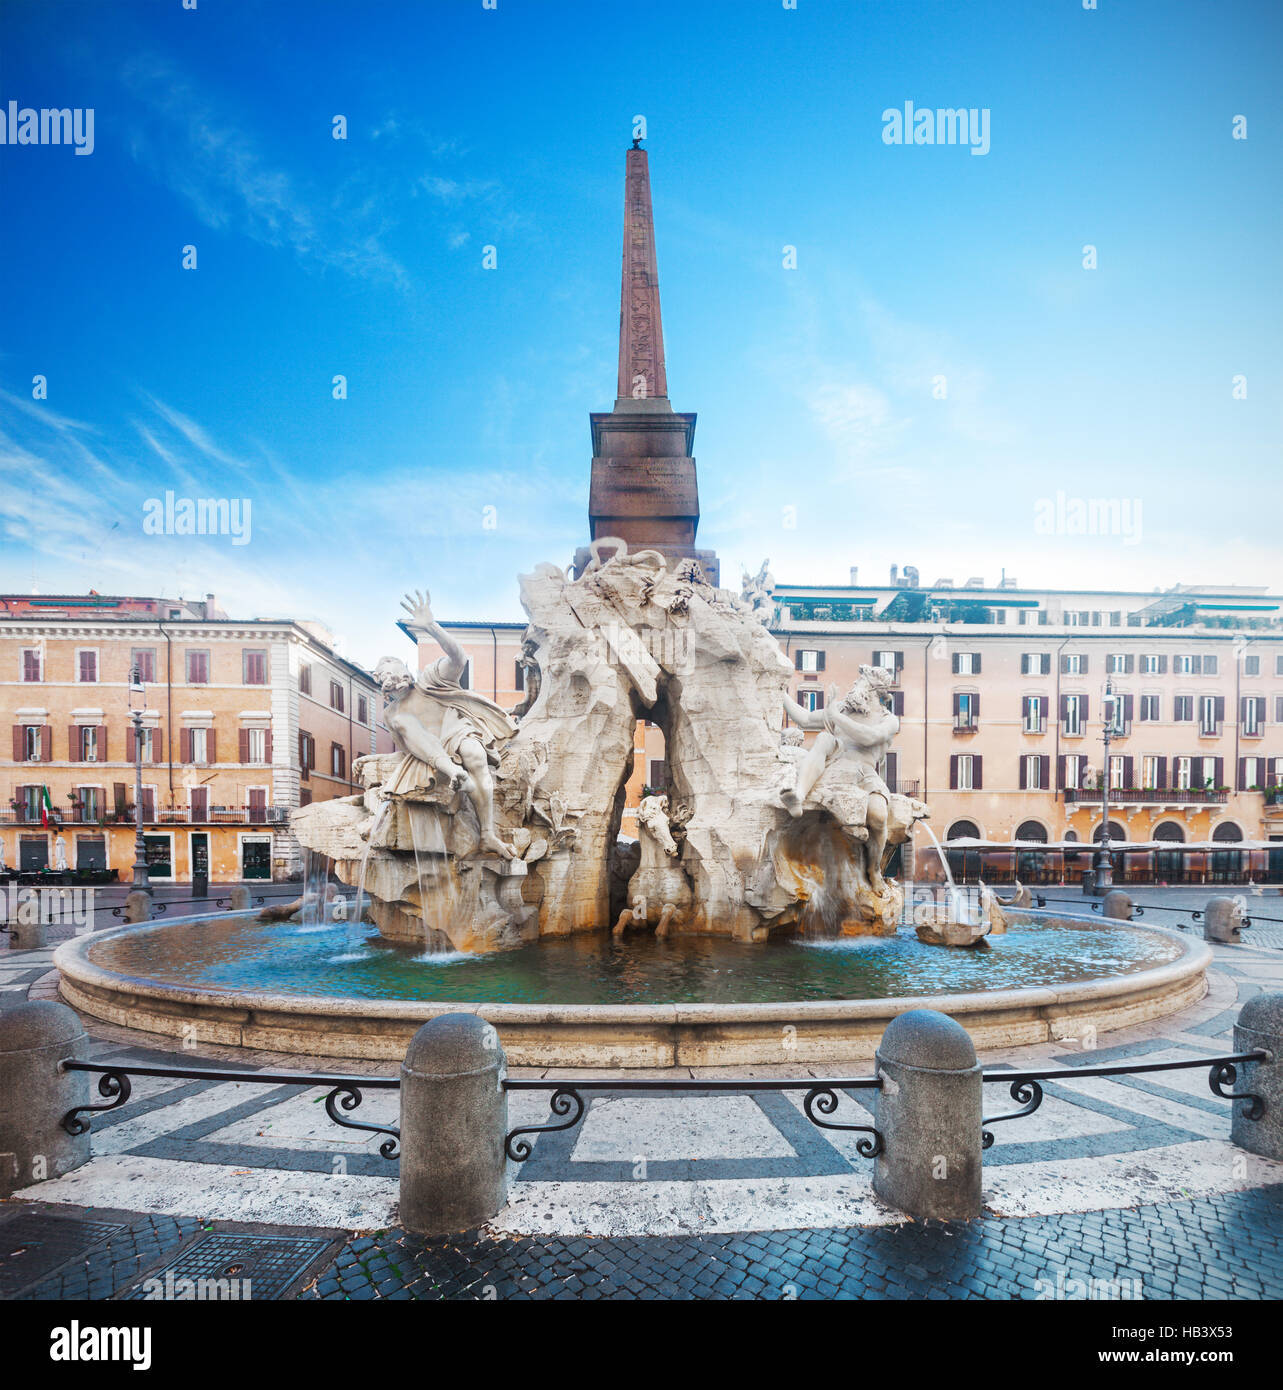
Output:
(1149, 796)
(180, 815)
(966, 726)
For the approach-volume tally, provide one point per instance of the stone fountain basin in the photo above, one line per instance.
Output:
(793, 1034)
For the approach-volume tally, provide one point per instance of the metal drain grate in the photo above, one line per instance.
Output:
(231, 1266)
(33, 1245)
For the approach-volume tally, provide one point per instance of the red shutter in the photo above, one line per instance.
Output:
(957, 704)
(267, 746)
(1196, 778)
(1162, 772)
(131, 744)
(1064, 708)
(1024, 773)
(211, 747)
(797, 659)
(1060, 772)
(185, 745)
(158, 745)
(975, 709)
(102, 743)
(1242, 774)
(1082, 708)
(819, 699)
(46, 743)
(243, 744)
(75, 749)
(1044, 770)
(1218, 776)
(975, 663)
(1128, 766)
(953, 772)
(1220, 709)
(977, 773)
(19, 742)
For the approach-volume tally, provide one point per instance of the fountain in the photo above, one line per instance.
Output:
(483, 834)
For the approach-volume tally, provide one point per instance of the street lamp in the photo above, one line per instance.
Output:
(1104, 863)
(137, 706)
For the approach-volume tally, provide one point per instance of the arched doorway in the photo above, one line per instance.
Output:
(1031, 864)
(1116, 833)
(1168, 863)
(964, 864)
(1227, 864)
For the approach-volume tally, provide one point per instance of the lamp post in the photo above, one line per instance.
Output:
(1103, 862)
(137, 705)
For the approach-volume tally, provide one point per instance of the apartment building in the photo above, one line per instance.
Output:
(241, 722)
(1001, 692)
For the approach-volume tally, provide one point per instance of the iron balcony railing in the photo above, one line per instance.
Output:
(1195, 796)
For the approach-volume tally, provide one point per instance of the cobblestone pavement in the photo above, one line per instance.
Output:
(1227, 1247)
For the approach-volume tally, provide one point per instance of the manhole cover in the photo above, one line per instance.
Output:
(231, 1266)
(33, 1245)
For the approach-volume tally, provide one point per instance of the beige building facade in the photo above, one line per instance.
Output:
(242, 722)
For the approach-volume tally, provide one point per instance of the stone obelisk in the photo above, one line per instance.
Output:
(643, 486)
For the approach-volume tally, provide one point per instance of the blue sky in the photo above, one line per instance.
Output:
(469, 388)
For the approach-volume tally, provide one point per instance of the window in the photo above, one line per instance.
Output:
(1073, 664)
(254, 668)
(362, 710)
(1209, 665)
(1033, 772)
(257, 808)
(305, 679)
(31, 663)
(197, 668)
(964, 772)
(1154, 665)
(1117, 773)
(87, 667)
(255, 746)
(518, 677)
(90, 803)
(966, 663)
(1211, 714)
(336, 696)
(888, 661)
(88, 743)
(1184, 774)
(465, 676)
(338, 760)
(1120, 665)
(1253, 716)
(198, 801)
(1251, 665)
(1278, 665)
(199, 744)
(1074, 765)
(29, 743)
(143, 660)
(1073, 713)
(306, 754)
(657, 773)
(1150, 709)
(1251, 773)
(1035, 664)
(1034, 710)
(148, 744)
(1121, 724)
(811, 699)
(809, 661)
(966, 710)
(1183, 709)
(1278, 709)
(1149, 773)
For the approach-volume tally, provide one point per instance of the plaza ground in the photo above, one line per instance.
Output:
(1116, 1187)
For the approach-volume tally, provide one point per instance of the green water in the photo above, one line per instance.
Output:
(238, 953)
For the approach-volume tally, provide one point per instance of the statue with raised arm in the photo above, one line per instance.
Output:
(442, 730)
(839, 772)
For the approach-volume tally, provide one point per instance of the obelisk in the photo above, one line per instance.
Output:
(643, 487)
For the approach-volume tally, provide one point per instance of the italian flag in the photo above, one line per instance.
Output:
(46, 807)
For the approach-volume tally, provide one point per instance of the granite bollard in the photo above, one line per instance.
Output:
(1222, 920)
(1260, 1025)
(454, 1117)
(1117, 905)
(239, 897)
(35, 1093)
(929, 1117)
(137, 906)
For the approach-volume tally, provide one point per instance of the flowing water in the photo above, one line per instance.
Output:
(438, 892)
(959, 910)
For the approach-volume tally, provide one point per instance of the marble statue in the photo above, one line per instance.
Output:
(440, 728)
(658, 892)
(59, 853)
(3, 867)
(757, 591)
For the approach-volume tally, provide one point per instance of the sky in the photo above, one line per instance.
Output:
(896, 352)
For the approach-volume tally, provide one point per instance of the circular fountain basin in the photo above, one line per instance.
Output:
(588, 1000)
